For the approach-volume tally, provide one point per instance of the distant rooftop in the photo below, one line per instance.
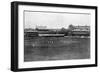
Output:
(79, 28)
(41, 27)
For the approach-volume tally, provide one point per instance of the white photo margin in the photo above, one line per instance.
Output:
(36, 64)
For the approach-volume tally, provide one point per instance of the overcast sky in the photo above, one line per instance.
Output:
(55, 20)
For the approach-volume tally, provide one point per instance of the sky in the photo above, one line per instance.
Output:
(55, 20)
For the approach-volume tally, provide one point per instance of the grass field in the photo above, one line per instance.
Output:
(56, 48)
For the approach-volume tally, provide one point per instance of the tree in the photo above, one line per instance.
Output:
(71, 27)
